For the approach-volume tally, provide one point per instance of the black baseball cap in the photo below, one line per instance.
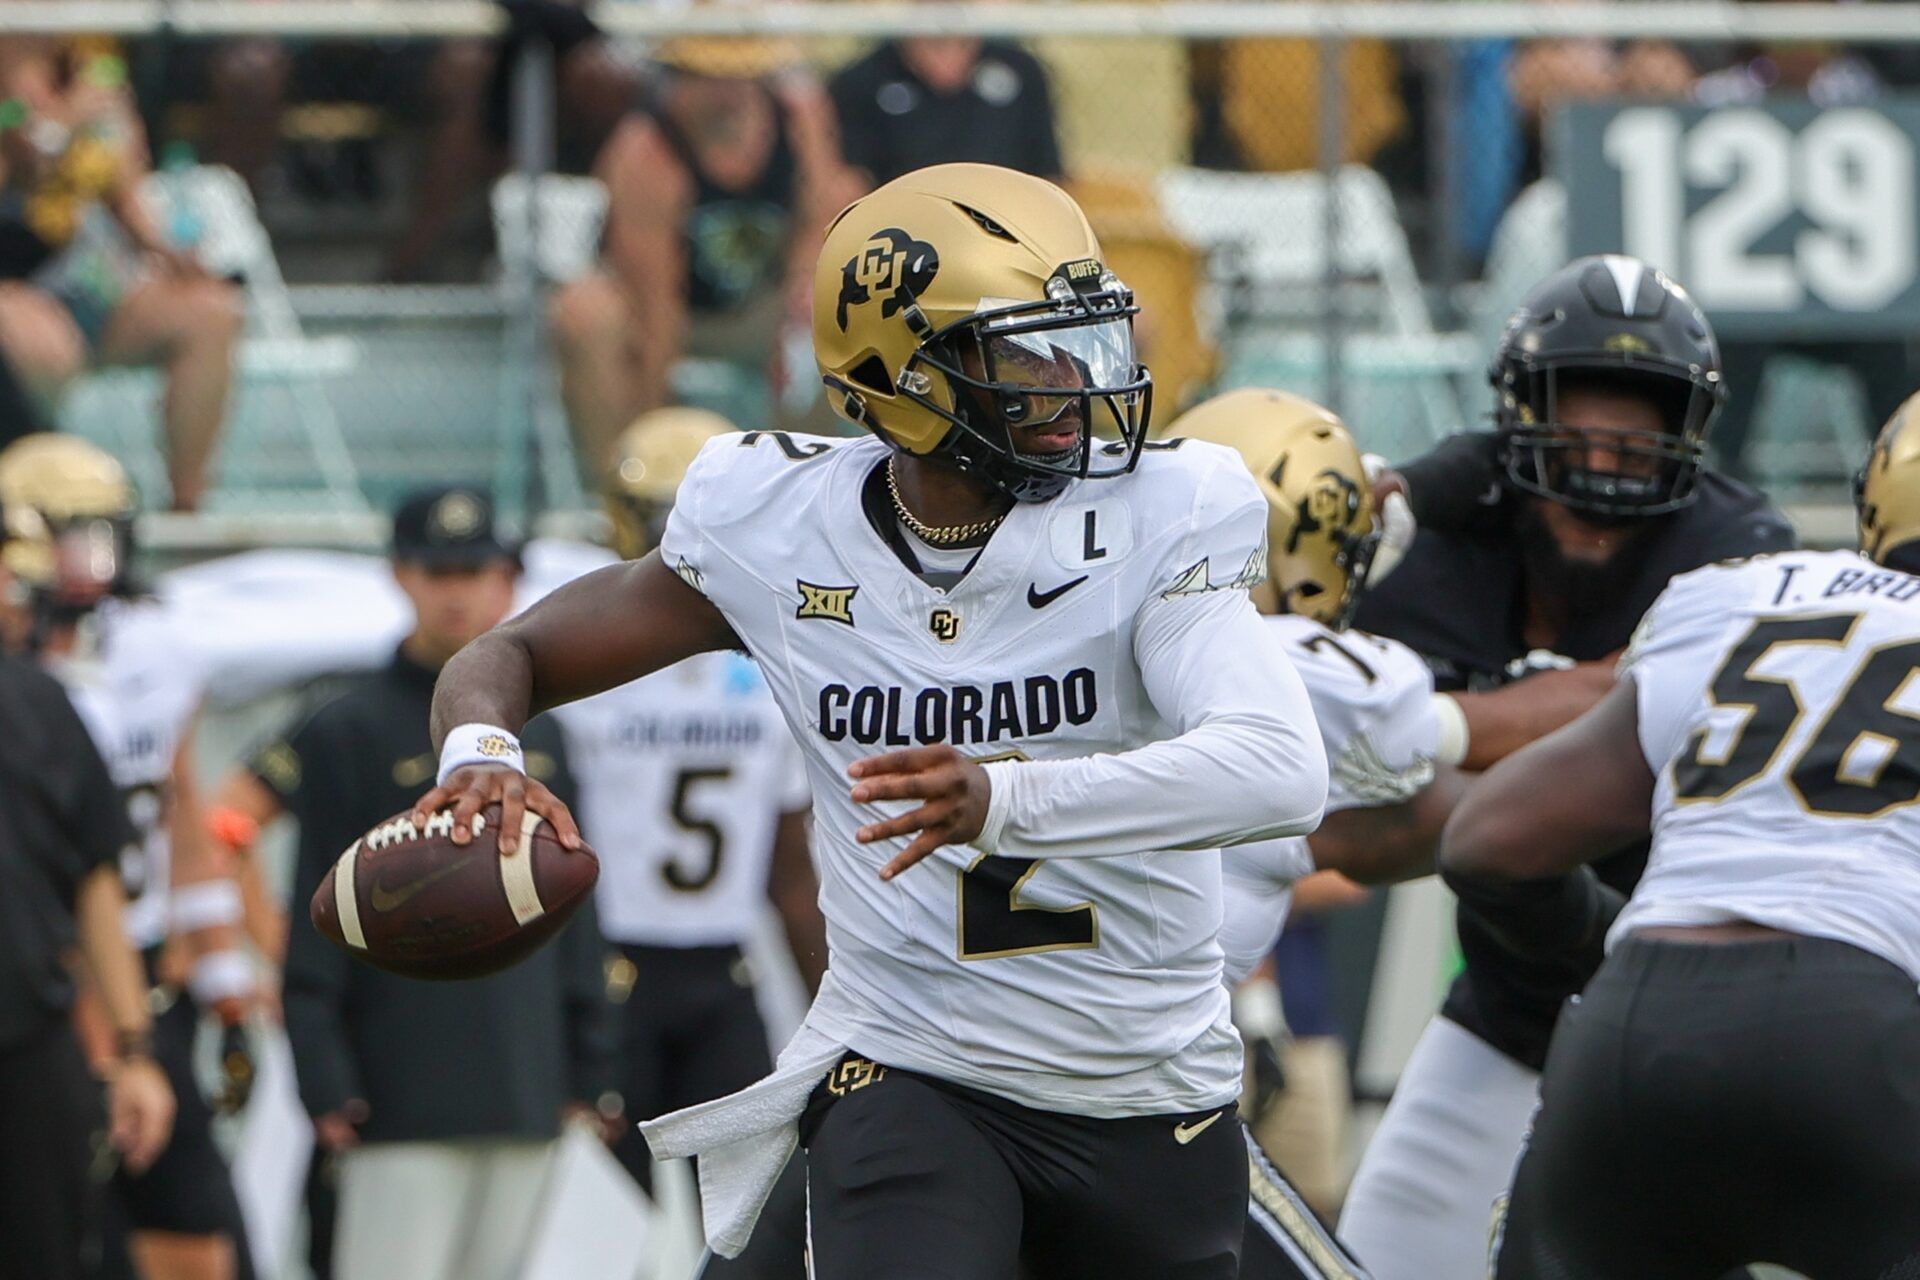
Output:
(449, 527)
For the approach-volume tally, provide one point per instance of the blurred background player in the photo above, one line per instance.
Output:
(440, 1100)
(718, 187)
(1540, 546)
(1755, 1016)
(61, 837)
(699, 799)
(130, 673)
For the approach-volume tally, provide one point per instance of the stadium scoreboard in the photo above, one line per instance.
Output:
(1785, 219)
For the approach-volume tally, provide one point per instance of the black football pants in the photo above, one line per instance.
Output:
(1706, 1106)
(693, 1032)
(50, 1122)
(912, 1178)
(1285, 1241)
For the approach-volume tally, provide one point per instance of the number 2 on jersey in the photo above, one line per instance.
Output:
(995, 924)
(1829, 778)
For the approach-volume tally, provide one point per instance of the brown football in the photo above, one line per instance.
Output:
(409, 900)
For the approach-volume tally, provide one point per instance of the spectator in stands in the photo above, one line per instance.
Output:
(84, 272)
(1545, 73)
(441, 86)
(938, 99)
(440, 1100)
(719, 187)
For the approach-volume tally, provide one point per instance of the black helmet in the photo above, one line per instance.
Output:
(1617, 322)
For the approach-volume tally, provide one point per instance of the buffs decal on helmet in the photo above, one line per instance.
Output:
(894, 267)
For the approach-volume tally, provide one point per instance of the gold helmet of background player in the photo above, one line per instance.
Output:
(650, 459)
(1886, 491)
(1320, 527)
(70, 510)
(961, 300)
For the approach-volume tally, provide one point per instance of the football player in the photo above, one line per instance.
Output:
(131, 676)
(698, 800)
(1016, 646)
(1540, 546)
(1741, 1079)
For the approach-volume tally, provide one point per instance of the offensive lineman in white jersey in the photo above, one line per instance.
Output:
(1740, 1082)
(131, 675)
(1020, 1052)
(1390, 739)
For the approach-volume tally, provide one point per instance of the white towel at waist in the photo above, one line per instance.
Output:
(745, 1139)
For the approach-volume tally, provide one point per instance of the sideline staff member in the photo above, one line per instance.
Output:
(60, 842)
(441, 1099)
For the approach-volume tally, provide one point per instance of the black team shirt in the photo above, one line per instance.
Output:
(60, 818)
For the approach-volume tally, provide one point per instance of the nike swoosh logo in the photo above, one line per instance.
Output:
(1185, 1133)
(1041, 599)
(385, 899)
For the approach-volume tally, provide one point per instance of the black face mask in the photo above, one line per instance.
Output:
(1583, 586)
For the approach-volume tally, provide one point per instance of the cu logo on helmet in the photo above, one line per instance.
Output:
(1331, 504)
(893, 267)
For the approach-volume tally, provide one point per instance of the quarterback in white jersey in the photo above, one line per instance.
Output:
(1756, 1007)
(132, 676)
(1045, 641)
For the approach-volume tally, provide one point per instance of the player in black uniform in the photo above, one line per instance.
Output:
(1541, 544)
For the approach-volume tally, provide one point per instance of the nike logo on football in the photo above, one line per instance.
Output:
(1185, 1133)
(383, 899)
(1041, 599)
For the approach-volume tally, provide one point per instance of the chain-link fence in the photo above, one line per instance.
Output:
(467, 238)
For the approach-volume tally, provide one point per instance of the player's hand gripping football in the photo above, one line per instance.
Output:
(473, 787)
(954, 787)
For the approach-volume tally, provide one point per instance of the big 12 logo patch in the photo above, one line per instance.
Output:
(893, 267)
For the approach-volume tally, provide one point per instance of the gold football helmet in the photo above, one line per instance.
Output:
(1886, 490)
(1321, 532)
(650, 459)
(70, 513)
(962, 301)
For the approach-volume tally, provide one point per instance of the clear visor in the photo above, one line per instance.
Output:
(1089, 364)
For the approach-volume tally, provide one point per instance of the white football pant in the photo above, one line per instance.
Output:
(1422, 1202)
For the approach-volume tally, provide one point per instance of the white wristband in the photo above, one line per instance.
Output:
(205, 905)
(220, 975)
(1454, 737)
(480, 744)
(999, 783)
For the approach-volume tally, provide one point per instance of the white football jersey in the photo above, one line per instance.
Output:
(1779, 705)
(682, 778)
(1079, 984)
(136, 688)
(1373, 700)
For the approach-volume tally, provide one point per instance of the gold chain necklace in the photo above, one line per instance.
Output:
(934, 535)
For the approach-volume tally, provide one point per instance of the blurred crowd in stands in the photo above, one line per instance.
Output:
(370, 161)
